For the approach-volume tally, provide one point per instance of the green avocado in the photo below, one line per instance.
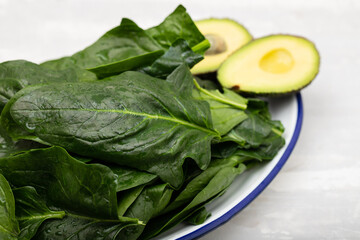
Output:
(275, 64)
(225, 37)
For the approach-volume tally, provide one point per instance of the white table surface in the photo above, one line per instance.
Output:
(317, 193)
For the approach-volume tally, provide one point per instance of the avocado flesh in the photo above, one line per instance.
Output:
(225, 37)
(275, 64)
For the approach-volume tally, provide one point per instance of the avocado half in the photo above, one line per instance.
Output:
(225, 37)
(275, 64)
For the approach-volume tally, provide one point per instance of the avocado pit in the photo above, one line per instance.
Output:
(217, 44)
(225, 37)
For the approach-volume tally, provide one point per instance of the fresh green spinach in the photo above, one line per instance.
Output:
(31, 211)
(213, 189)
(151, 201)
(9, 227)
(132, 119)
(88, 189)
(227, 108)
(198, 217)
(131, 155)
(128, 47)
(15, 75)
(128, 178)
(75, 227)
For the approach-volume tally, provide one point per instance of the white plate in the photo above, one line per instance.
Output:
(250, 184)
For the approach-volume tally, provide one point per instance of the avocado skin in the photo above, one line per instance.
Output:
(270, 93)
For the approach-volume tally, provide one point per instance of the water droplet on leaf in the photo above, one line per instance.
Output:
(30, 126)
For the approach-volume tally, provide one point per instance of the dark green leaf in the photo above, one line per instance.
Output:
(207, 84)
(227, 109)
(9, 227)
(260, 107)
(151, 201)
(178, 25)
(199, 217)
(182, 80)
(267, 150)
(129, 178)
(178, 53)
(15, 75)
(223, 149)
(200, 182)
(31, 211)
(89, 189)
(4, 146)
(128, 47)
(127, 64)
(214, 188)
(70, 63)
(117, 48)
(251, 132)
(8, 88)
(131, 119)
(127, 198)
(8, 127)
(75, 227)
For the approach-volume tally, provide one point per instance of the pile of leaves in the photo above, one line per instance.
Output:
(119, 141)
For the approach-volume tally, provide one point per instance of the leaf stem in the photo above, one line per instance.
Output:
(201, 47)
(219, 99)
(59, 214)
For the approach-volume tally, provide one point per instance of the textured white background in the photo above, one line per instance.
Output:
(317, 194)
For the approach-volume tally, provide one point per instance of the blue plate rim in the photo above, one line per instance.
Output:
(241, 205)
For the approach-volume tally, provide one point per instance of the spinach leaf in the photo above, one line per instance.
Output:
(129, 178)
(178, 54)
(267, 150)
(259, 107)
(3, 144)
(73, 227)
(227, 109)
(15, 75)
(128, 47)
(257, 137)
(127, 198)
(251, 132)
(31, 211)
(228, 97)
(151, 201)
(124, 42)
(33, 214)
(7, 147)
(8, 88)
(8, 127)
(181, 79)
(125, 65)
(9, 227)
(179, 25)
(131, 119)
(207, 84)
(198, 217)
(197, 184)
(88, 189)
(70, 63)
(213, 189)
